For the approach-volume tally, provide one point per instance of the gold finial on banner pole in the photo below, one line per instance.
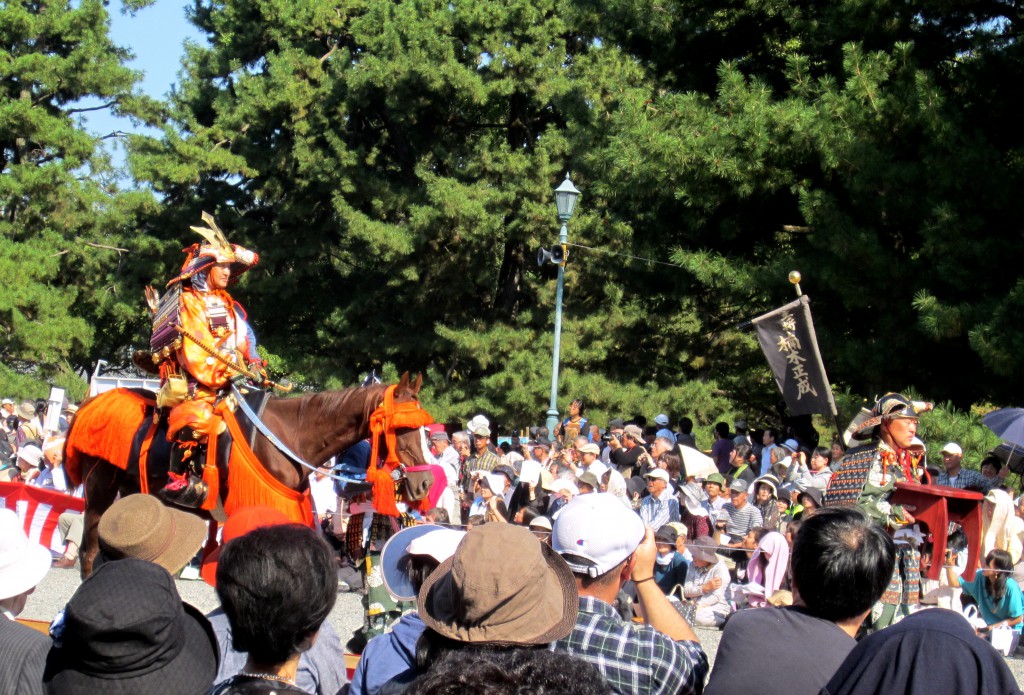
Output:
(795, 277)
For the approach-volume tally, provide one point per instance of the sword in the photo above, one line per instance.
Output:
(215, 354)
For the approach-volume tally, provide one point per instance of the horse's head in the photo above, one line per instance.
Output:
(410, 434)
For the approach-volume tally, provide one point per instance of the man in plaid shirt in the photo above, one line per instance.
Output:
(483, 459)
(607, 545)
(963, 478)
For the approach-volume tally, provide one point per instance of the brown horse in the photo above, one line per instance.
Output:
(315, 427)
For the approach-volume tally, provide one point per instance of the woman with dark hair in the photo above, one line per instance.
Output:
(765, 499)
(671, 462)
(525, 515)
(573, 426)
(837, 450)
(1000, 601)
(277, 584)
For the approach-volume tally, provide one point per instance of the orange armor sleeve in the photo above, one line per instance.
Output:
(228, 340)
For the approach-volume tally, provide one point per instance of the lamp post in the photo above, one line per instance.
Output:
(566, 196)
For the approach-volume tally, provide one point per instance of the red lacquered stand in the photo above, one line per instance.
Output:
(936, 506)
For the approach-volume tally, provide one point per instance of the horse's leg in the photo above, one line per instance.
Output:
(102, 481)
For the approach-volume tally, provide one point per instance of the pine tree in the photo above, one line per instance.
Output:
(67, 240)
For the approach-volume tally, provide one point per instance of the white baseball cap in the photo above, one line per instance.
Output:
(662, 420)
(952, 448)
(658, 474)
(597, 528)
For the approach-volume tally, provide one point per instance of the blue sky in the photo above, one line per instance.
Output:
(156, 35)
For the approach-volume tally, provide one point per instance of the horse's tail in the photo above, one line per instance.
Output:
(103, 428)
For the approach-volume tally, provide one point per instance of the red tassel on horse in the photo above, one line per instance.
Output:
(388, 417)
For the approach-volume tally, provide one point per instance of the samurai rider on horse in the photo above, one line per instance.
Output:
(201, 342)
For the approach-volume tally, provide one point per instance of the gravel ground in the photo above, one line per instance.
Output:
(58, 586)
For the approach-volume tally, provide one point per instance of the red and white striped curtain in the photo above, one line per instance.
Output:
(39, 508)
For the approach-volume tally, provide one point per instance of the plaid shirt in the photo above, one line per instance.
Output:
(968, 478)
(482, 462)
(634, 659)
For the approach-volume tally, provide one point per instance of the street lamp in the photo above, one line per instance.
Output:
(566, 196)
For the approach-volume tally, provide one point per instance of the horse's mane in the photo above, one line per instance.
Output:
(321, 410)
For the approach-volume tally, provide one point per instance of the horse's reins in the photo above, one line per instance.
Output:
(262, 428)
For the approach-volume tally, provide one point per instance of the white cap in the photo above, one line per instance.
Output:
(23, 563)
(658, 474)
(541, 522)
(478, 421)
(439, 544)
(598, 528)
(31, 453)
(952, 448)
(7, 401)
(662, 420)
(496, 481)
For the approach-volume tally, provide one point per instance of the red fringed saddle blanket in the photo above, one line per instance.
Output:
(106, 426)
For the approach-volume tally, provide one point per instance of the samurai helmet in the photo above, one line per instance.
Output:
(215, 249)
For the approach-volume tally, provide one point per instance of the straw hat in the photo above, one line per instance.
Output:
(501, 587)
(26, 410)
(140, 526)
(23, 564)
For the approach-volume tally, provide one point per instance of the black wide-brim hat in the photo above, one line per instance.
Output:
(126, 630)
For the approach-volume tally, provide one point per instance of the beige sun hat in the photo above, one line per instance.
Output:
(501, 587)
(142, 527)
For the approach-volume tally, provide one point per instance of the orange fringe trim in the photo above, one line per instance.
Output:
(249, 483)
(104, 427)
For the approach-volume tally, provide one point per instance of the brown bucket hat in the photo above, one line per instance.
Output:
(501, 587)
(140, 526)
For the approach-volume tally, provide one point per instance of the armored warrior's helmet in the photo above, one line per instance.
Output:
(216, 249)
(891, 405)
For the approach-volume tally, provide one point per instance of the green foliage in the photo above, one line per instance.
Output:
(69, 250)
(393, 163)
(947, 423)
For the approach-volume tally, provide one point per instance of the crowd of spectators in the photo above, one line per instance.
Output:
(576, 563)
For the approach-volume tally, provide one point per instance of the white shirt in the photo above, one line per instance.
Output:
(325, 500)
(766, 459)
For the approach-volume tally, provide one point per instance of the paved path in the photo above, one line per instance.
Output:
(58, 586)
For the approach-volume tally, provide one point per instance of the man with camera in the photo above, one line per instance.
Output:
(625, 453)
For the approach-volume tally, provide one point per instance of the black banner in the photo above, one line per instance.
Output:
(788, 342)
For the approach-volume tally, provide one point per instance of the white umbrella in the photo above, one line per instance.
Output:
(696, 464)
